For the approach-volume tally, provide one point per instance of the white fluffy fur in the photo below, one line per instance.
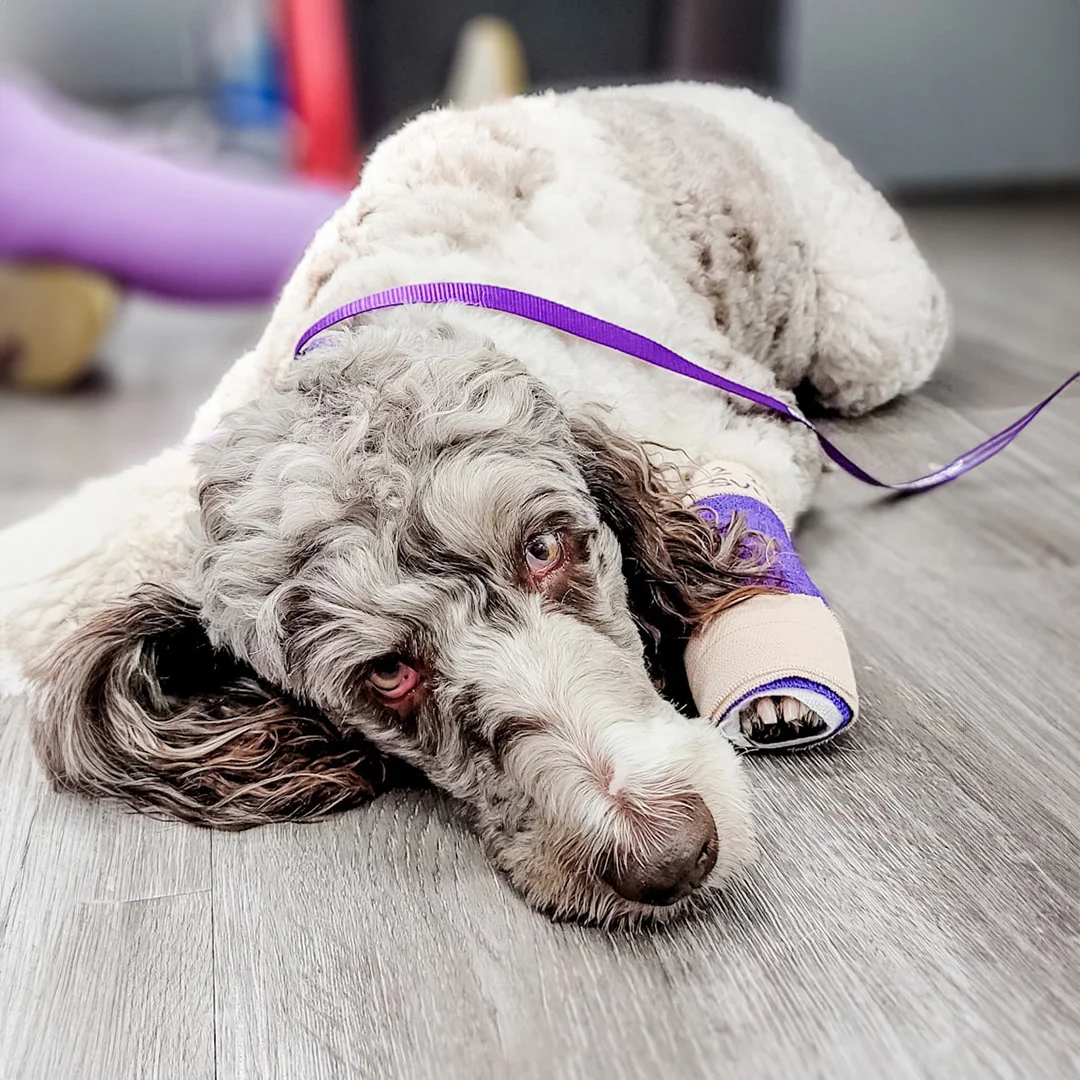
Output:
(881, 323)
(553, 200)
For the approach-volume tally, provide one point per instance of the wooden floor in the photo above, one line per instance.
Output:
(917, 908)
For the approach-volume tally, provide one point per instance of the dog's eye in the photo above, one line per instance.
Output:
(392, 677)
(543, 552)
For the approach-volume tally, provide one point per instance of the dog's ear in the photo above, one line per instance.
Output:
(680, 570)
(138, 705)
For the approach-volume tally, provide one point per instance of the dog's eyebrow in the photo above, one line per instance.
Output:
(433, 554)
(545, 500)
(556, 508)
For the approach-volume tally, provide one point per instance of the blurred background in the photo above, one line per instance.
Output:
(946, 104)
(920, 94)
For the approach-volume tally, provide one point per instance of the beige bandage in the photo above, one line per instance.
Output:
(791, 639)
(762, 641)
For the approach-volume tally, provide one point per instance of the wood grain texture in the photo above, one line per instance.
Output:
(105, 934)
(915, 913)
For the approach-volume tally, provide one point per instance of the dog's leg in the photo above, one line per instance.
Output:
(779, 721)
(774, 671)
(882, 318)
(880, 314)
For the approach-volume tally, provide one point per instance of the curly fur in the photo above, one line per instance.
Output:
(372, 499)
(678, 574)
(376, 504)
(144, 710)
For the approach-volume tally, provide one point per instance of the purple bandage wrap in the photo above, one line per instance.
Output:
(786, 571)
(782, 687)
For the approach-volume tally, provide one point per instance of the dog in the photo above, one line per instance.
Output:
(451, 543)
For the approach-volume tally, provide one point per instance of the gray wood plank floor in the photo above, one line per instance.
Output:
(916, 912)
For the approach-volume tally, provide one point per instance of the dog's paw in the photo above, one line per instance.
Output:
(779, 720)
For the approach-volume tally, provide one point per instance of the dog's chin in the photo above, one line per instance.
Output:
(586, 900)
(610, 911)
(556, 872)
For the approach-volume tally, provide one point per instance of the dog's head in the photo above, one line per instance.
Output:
(410, 553)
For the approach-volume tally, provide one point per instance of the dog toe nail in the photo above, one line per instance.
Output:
(771, 711)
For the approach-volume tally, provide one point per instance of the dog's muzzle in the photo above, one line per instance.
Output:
(678, 860)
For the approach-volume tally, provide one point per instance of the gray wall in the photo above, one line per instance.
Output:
(915, 91)
(111, 49)
(942, 91)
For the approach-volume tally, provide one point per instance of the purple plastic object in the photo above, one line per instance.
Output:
(571, 321)
(74, 196)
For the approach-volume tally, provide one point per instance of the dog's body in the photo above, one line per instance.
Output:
(704, 217)
(420, 542)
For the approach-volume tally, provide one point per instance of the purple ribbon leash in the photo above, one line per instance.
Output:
(571, 321)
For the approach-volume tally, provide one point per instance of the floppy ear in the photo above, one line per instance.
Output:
(138, 705)
(680, 570)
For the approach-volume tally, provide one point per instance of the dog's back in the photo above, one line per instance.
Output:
(705, 217)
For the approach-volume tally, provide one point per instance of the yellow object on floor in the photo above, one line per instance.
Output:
(51, 321)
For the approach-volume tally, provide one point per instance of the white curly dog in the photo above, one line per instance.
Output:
(457, 541)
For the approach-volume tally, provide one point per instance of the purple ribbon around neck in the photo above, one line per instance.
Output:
(571, 321)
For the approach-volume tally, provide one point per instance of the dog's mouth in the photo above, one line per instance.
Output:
(617, 817)
(610, 910)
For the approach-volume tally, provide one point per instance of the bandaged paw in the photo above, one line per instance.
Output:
(774, 671)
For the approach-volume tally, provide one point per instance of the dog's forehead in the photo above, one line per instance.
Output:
(360, 578)
(455, 526)
(484, 499)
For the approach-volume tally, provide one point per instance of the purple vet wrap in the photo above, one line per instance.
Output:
(786, 569)
(790, 687)
(786, 572)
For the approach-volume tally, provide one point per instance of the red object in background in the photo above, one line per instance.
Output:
(320, 81)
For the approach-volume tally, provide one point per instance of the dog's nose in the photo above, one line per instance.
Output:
(674, 863)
